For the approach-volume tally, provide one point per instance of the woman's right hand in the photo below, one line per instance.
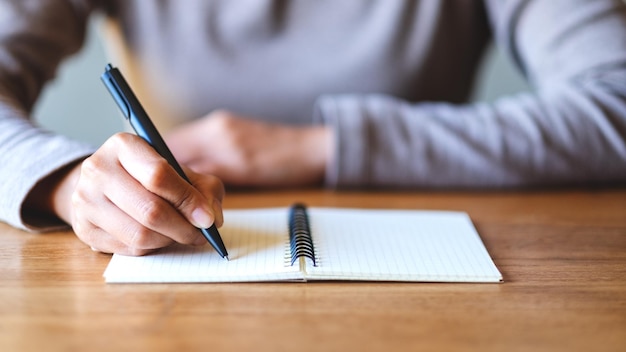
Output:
(126, 199)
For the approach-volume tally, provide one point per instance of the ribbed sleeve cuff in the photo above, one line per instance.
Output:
(29, 155)
(349, 166)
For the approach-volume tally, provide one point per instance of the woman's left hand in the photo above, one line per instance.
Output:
(245, 152)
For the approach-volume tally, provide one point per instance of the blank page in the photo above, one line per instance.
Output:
(396, 245)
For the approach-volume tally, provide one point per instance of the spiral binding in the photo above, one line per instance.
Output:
(301, 242)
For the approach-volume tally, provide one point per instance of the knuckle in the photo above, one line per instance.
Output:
(151, 212)
(185, 199)
(85, 231)
(117, 141)
(159, 175)
(80, 230)
(78, 198)
(224, 120)
(91, 167)
(140, 238)
(221, 115)
(120, 138)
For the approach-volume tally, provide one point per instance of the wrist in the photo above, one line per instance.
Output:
(52, 195)
(320, 149)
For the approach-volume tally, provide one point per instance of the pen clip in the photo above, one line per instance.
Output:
(108, 78)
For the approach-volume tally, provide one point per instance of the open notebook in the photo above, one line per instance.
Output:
(300, 244)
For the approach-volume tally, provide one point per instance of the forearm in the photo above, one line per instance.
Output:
(28, 157)
(570, 130)
(34, 40)
(576, 136)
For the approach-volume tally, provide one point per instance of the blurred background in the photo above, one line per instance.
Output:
(77, 104)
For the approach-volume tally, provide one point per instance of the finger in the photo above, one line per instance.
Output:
(102, 214)
(102, 241)
(109, 244)
(157, 176)
(147, 212)
(128, 230)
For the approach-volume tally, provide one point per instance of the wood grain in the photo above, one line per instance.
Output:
(562, 254)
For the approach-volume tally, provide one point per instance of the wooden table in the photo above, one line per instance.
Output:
(562, 255)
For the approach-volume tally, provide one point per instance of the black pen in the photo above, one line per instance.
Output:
(143, 126)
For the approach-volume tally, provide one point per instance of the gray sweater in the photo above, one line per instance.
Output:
(391, 77)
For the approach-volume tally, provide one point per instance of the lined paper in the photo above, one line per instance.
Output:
(350, 244)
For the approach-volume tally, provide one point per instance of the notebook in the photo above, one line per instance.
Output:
(303, 244)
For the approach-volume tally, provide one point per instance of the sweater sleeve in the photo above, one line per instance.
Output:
(570, 130)
(35, 35)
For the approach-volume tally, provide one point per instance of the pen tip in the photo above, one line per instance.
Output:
(227, 258)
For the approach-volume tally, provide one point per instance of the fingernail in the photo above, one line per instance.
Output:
(201, 218)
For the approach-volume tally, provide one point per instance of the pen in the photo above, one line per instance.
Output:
(143, 126)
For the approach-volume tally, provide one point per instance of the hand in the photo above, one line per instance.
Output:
(127, 199)
(245, 152)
